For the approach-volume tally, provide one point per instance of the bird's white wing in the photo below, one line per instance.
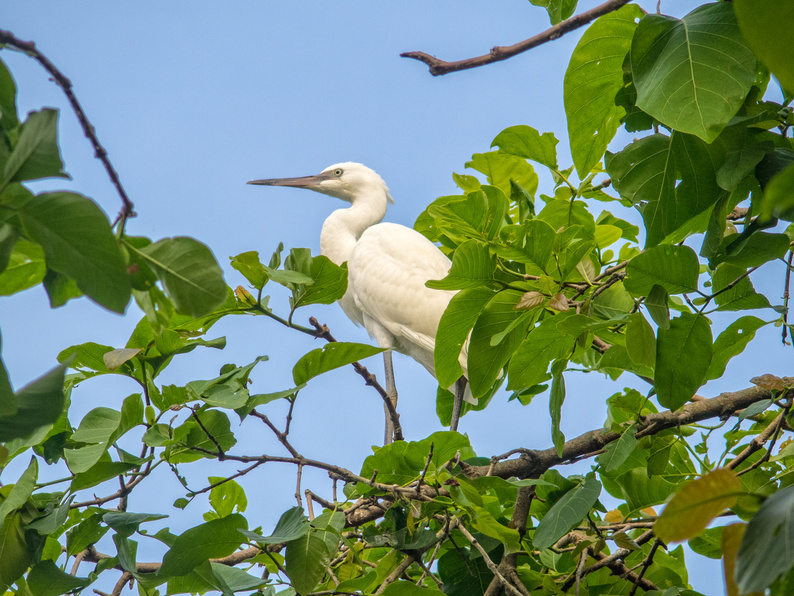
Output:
(387, 273)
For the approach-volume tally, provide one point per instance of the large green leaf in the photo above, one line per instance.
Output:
(215, 539)
(766, 25)
(675, 268)
(21, 490)
(683, 356)
(472, 266)
(25, 268)
(525, 141)
(767, 549)
(306, 560)
(692, 74)
(189, 273)
(739, 296)
(79, 243)
(501, 168)
(327, 281)
(14, 555)
(453, 330)
(530, 363)
(38, 404)
(732, 342)
(46, 579)
(36, 152)
(329, 357)
(566, 513)
(8, 99)
(593, 78)
(292, 524)
(486, 360)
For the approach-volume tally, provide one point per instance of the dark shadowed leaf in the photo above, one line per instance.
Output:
(761, 560)
(566, 513)
(683, 356)
(38, 404)
(692, 74)
(46, 579)
(211, 540)
(79, 243)
(765, 25)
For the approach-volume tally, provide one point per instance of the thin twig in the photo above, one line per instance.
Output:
(221, 455)
(29, 48)
(645, 564)
(441, 67)
(506, 584)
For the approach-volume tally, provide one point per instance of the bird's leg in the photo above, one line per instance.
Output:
(457, 405)
(391, 391)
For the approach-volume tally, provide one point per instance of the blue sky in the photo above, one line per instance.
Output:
(193, 99)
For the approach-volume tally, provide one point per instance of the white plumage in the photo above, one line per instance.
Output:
(388, 265)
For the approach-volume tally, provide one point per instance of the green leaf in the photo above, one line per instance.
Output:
(227, 497)
(79, 243)
(692, 74)
(46, 579)
(617, 452)
(760, 559)
(189, 273)
(36, 152)
(8, 238)
(732, 342)
(453, 331)
(696, 504)
(544, 343)
(126, 523)
(212, 540)
(25, 268)
(329, 280)
(593, 78)
(407, 588)
(778, 198)
(329, 357)
(558, 10)
(60, 289)
(765, 27)
(673, 267)
(87, 532)
(14, 556)
(252, 269)
(683, 356)
(741, 296)
(524, 141)
(20, 491)
(292, 525)
(757, 249)
(38, 404)
(640, 340)
(306, 560)
(566, 513)
(486, 361)
(236, 580)
(502, 168)
(556, 399)
(472, 266)
(97, 426)
(8, 99)
(657, 304)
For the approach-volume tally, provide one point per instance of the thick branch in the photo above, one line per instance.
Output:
(29, 48)
(532, 463)
(498, 53)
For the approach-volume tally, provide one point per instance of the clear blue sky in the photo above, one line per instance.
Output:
(192, 99)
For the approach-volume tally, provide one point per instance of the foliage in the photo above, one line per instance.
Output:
(549, 282)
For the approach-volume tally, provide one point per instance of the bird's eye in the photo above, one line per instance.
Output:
(338, 172)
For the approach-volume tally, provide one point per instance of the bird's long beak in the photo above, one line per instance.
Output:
(301, 182)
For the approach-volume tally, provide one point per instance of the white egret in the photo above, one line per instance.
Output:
(388, 265)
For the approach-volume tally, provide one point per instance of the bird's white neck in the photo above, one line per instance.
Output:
(344, 227)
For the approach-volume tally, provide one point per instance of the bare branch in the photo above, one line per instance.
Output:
(498, 53)
(29, 48)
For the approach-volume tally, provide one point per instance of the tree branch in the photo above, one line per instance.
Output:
(498, 53)
(29, 48)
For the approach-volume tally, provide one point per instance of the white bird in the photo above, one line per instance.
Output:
(388, 265)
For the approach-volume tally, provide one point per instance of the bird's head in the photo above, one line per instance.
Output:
(348, 181)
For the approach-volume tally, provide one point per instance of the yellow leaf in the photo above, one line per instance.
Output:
(649, 511)
(115, 358)
(731, 540)
(696, 504)
(614, 516)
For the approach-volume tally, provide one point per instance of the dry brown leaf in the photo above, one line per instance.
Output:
(559, 302)
(530, 300)
(769, 382)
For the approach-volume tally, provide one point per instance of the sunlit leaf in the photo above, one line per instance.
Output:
(524, 141)
(593, 78)
(675, 268)
(692, 74)
(36, 153)
(696, 504)
(765, 26)
(330, 356)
